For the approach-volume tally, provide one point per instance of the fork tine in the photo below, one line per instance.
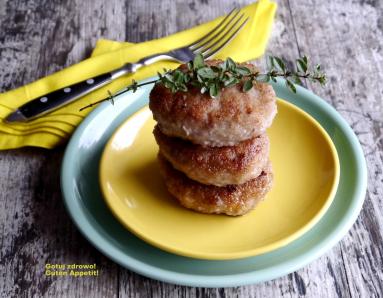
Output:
(219, 37)
(214, 50)
(203, 43)
(214, 29)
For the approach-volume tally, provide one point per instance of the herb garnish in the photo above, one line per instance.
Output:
(212, 79)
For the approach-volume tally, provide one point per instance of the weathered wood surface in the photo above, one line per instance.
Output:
(40, 37)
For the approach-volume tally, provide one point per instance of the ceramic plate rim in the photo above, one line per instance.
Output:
(88, 229)
(240, 254)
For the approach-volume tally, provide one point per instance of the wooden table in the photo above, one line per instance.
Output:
(40, 37)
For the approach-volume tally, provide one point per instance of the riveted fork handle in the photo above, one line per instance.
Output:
(58, 98)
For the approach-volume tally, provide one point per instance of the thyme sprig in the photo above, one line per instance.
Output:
(277, 68)
(212, 79)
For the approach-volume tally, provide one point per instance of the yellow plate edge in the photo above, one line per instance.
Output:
(247, 253)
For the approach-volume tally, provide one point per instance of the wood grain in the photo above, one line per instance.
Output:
(41, 37)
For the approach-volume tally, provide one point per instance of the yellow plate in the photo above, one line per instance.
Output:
(306, 174)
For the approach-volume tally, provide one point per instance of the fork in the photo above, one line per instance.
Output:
(208, 45)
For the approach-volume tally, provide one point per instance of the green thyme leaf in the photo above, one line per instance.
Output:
(271, 63)
(178, 76)
(182, 87)
(297, 80)
(207, 73)
(247, 85)
(231, 81)
(243, 71)
(322, 79)
(198, 62)
(230, 64)
(301, 65)
(222, 66)
(279, 64)
(291, 86)
(134, 87)
(213, 90)
(169, 77)
(262, 78)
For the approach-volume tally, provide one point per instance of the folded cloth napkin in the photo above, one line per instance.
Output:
(55, 128)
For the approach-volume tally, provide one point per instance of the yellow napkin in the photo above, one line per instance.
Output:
(55, 128)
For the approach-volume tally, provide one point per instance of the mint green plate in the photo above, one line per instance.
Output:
(82, 196)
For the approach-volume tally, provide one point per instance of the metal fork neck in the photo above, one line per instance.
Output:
(133, 67)
(154, 58)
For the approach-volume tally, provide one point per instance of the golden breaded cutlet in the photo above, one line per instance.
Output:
(232, 117)
(231, 200)
(218, 166)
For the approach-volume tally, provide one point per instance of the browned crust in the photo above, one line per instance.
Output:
(216, 165)
(231, 200)
(186, 114)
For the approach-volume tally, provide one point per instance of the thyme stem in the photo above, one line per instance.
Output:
(212, 79)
